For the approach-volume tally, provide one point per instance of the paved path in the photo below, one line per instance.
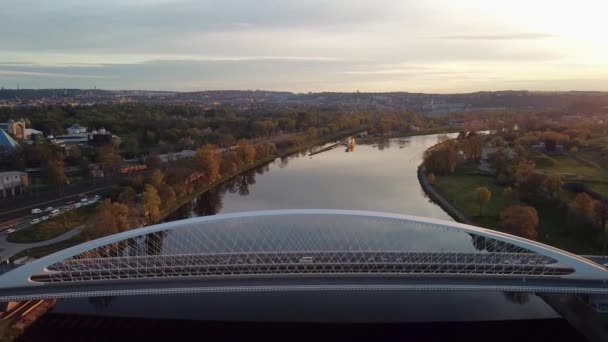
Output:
(8, 249)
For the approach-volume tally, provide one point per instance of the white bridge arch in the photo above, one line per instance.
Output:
(314, 249)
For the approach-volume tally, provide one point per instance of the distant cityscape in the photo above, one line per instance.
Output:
(243, 100)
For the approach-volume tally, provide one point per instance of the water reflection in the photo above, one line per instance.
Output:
(211, 202)
(101, 304)
(333, 179)
(520, 298)
(365, 180)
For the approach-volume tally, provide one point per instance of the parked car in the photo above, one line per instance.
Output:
(48, 208)
(10, 231)
(45, 217)
(36, 211)
(84, 200)
(34, 221)
(55, 211)
(77, 205)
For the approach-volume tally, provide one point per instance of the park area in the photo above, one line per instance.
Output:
(459, 189)
(571, 169)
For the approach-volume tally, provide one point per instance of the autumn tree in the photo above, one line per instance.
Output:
(208, 162)
(482, 197)
(441, 159)
(582, 210)
(151, 203)
(520, 220)
(109, 218)
(472, 147)
(157, 178)
(246, 152)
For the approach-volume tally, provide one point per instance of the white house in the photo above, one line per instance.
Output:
(12, 181)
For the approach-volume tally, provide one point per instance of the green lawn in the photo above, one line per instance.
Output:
(52, 227)
(563, 164)
(458, 188)
(39, 252)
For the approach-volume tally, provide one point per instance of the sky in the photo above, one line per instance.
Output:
(438, 46)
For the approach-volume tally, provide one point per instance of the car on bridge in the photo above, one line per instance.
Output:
(303, 255)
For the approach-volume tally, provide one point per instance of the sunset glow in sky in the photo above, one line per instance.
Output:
(312, 45)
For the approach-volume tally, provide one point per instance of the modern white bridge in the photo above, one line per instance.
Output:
(304, 250)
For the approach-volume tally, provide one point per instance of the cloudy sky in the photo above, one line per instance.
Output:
(308, 45)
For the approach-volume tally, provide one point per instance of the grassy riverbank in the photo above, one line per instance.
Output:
(427, 131)
(39, 252)
(458, 189)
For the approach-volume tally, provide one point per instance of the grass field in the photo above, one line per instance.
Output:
(564, 164)
(459, 187)
(39, 252)
(53, 227)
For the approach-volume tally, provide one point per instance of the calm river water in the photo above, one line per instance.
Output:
(379, 177)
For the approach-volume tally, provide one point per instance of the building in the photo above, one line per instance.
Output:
(7, 143)
(487, 151)
(170, 157)
(76, 129)
(78, 135)
(13, 183)
(15, 128)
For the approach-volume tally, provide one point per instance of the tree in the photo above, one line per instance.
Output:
(208, 162)
(582, 210)
(157, 178)
(510, 195)
(431, 178)
(153, 161)
(246, 152)
(482, 197)
(110, 218)
(520, 220)
(55, 171)
(441, 159)
(109, 159)
(167, 195)
(85, 168)
(551, 188)
(151, 203)
(127, 195)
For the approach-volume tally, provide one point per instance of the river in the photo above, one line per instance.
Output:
(377, 176)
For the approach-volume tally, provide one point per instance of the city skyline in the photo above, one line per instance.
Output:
(435, 47)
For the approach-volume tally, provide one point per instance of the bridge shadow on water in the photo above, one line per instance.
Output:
(58, 327)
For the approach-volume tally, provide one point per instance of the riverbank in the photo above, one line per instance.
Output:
(189, 197)
(455, 194)
(454, 213)
(429, 131)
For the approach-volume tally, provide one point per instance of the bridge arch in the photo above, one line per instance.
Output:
(297, 244)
